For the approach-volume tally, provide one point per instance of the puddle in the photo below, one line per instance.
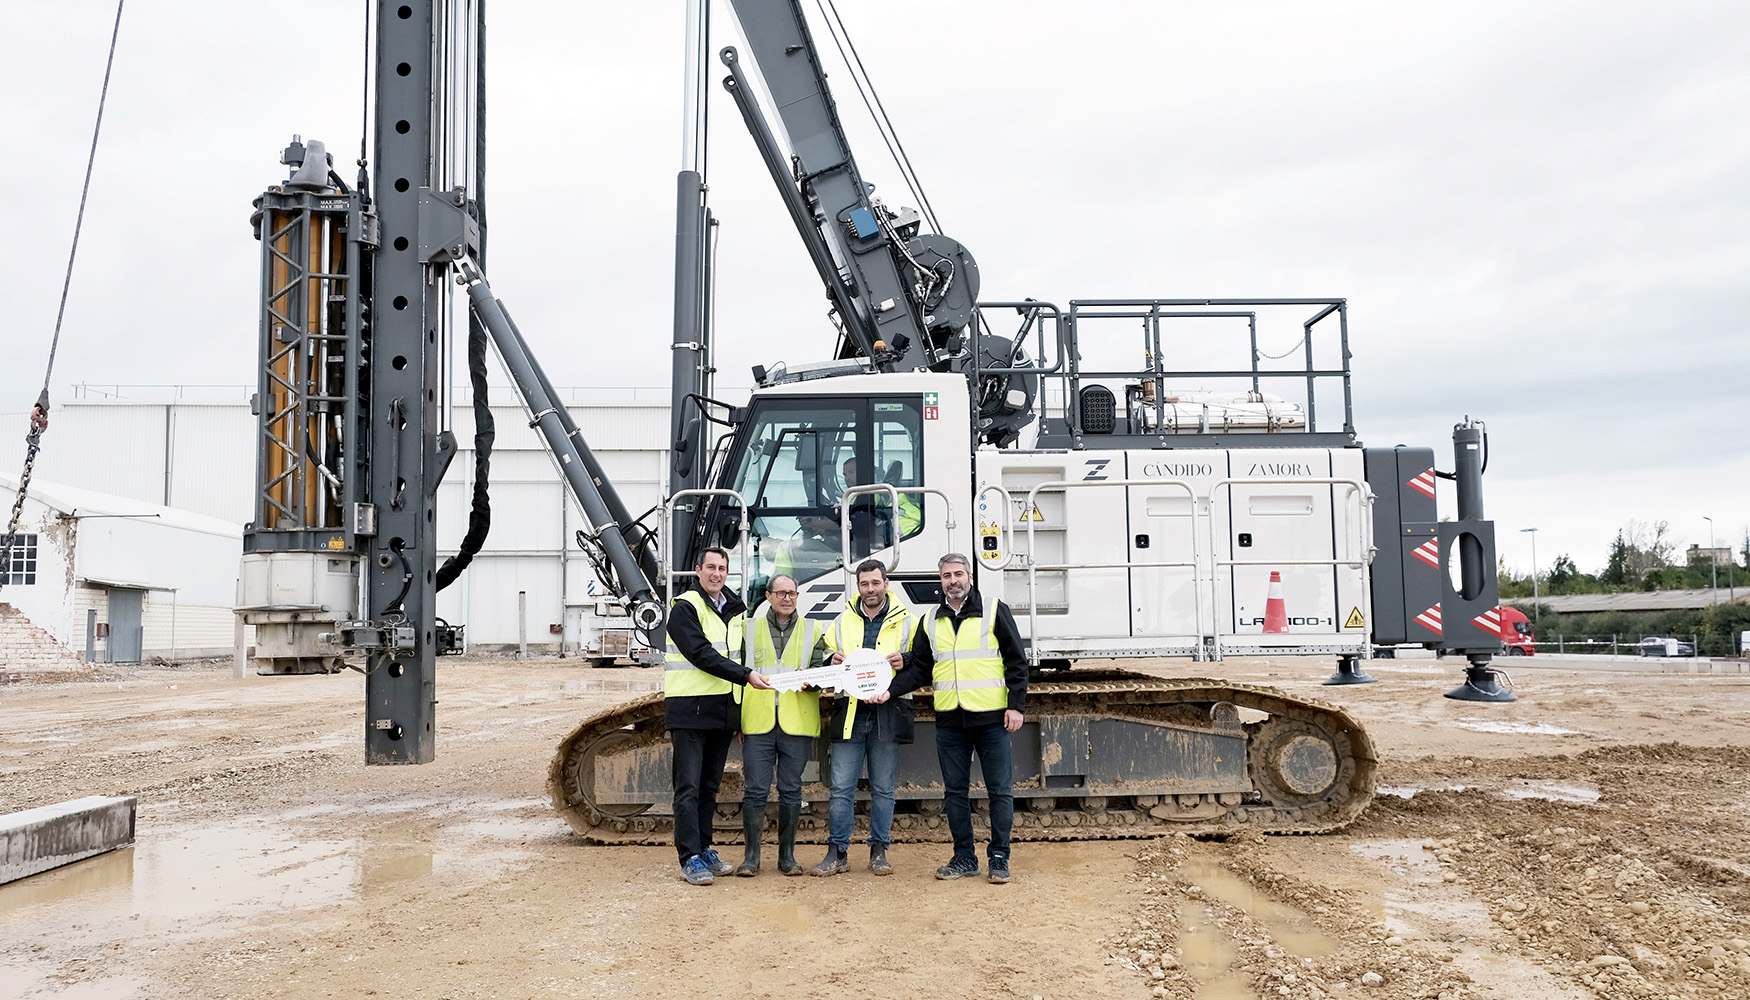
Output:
(1291, 928)
(1208, 955)
(34, 983)
(1554, 791)
(593, 685)
(1518, 728)
(1518, 788)
(1401, 855)
(1409, 791)
(193, 882)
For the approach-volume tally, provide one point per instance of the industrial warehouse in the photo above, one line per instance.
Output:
(1027, 506)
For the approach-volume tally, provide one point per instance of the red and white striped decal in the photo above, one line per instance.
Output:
(1428, 552)
(1490, 619)
(1431, 619)
(1423, 483)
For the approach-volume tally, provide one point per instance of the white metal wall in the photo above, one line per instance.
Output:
(200, 457)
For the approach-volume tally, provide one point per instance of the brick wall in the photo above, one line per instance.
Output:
(27, 650)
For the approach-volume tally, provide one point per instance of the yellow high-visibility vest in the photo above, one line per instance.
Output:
(680, 679)
(847, 634)
(968, 673)
(896, 629)
(795, 712)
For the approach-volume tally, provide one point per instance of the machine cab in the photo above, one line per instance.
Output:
(797, 453)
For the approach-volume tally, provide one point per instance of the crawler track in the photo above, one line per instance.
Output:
(1312, 768)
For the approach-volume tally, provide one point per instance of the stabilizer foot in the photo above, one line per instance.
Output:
(1349, 672)
(1480, 685)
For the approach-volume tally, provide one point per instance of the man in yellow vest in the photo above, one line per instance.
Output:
(874, 618)
(698, 685)
(969, 653)
(778, 729)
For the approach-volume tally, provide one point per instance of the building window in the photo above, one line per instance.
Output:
(23, 568)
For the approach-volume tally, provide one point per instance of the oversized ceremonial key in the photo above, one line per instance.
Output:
(863, 674)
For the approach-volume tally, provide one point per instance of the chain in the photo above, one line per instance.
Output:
(39, 422)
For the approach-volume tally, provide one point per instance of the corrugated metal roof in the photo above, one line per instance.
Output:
(1640, 600)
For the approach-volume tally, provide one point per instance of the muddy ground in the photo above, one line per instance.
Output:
(1588, 841)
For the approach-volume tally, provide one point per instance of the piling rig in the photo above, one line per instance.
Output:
(1121, 514)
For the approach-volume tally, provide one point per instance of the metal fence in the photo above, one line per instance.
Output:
(1631, 644)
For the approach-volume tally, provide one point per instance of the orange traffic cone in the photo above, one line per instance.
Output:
(1275, 611)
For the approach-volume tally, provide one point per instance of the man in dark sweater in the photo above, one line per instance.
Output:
(705, 646)
(969, 652)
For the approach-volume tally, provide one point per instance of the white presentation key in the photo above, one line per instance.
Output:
(863, 674)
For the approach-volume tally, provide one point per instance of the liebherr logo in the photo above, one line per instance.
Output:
(1096, 469)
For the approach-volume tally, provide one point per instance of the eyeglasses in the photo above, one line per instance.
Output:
(780, 593)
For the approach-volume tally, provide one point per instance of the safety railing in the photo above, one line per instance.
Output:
(669, 574)
(1357, 537)
(1034, 566)
(846, 560)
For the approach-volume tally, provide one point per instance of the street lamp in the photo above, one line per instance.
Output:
(1536, 616)
(1713, 563)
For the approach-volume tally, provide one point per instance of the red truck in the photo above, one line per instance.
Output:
(1516, 637)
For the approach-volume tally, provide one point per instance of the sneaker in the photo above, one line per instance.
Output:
(717, 865)
(999, 868)
(958, 867)
(878, 860)
(696, 871)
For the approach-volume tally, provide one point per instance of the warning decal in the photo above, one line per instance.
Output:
(1030, 515)
(1490, 619)
(1428, 552)
(1430, 619)
(1423, 483)
(1355, 620)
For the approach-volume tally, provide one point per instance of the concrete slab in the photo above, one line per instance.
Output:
(36, 840)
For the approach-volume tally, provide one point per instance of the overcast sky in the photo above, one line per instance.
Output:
(1538, 212)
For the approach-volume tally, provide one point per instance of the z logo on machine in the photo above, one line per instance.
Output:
(1096, 469)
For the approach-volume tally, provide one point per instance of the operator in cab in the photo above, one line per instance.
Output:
(873, 522)
(705, 649)
(874, 618)
(968, 651)
(778, 728)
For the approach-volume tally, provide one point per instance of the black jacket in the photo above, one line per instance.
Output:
(893, 718)
(711, 711)
(921, 661)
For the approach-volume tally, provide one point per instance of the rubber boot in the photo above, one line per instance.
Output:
(789, 817)
(834, 862)
(752, 826)
(878, 860)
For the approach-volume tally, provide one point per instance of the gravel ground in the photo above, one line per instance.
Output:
(1588, 841)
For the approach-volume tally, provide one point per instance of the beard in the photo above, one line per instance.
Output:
(957, 592)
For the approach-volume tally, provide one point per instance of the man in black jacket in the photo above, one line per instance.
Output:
(969, 652)
(704, 663)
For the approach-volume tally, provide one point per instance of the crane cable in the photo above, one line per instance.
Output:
(39, 414)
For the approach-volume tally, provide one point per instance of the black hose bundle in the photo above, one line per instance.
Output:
(480, 512)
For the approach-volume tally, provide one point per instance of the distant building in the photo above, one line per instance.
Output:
(1635, 601)
(1720, 555)
(199, 456)
(117, 580)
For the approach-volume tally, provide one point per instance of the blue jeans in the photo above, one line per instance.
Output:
(954, 749)
(847, 766)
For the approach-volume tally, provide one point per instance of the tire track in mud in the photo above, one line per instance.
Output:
(1464, 891)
